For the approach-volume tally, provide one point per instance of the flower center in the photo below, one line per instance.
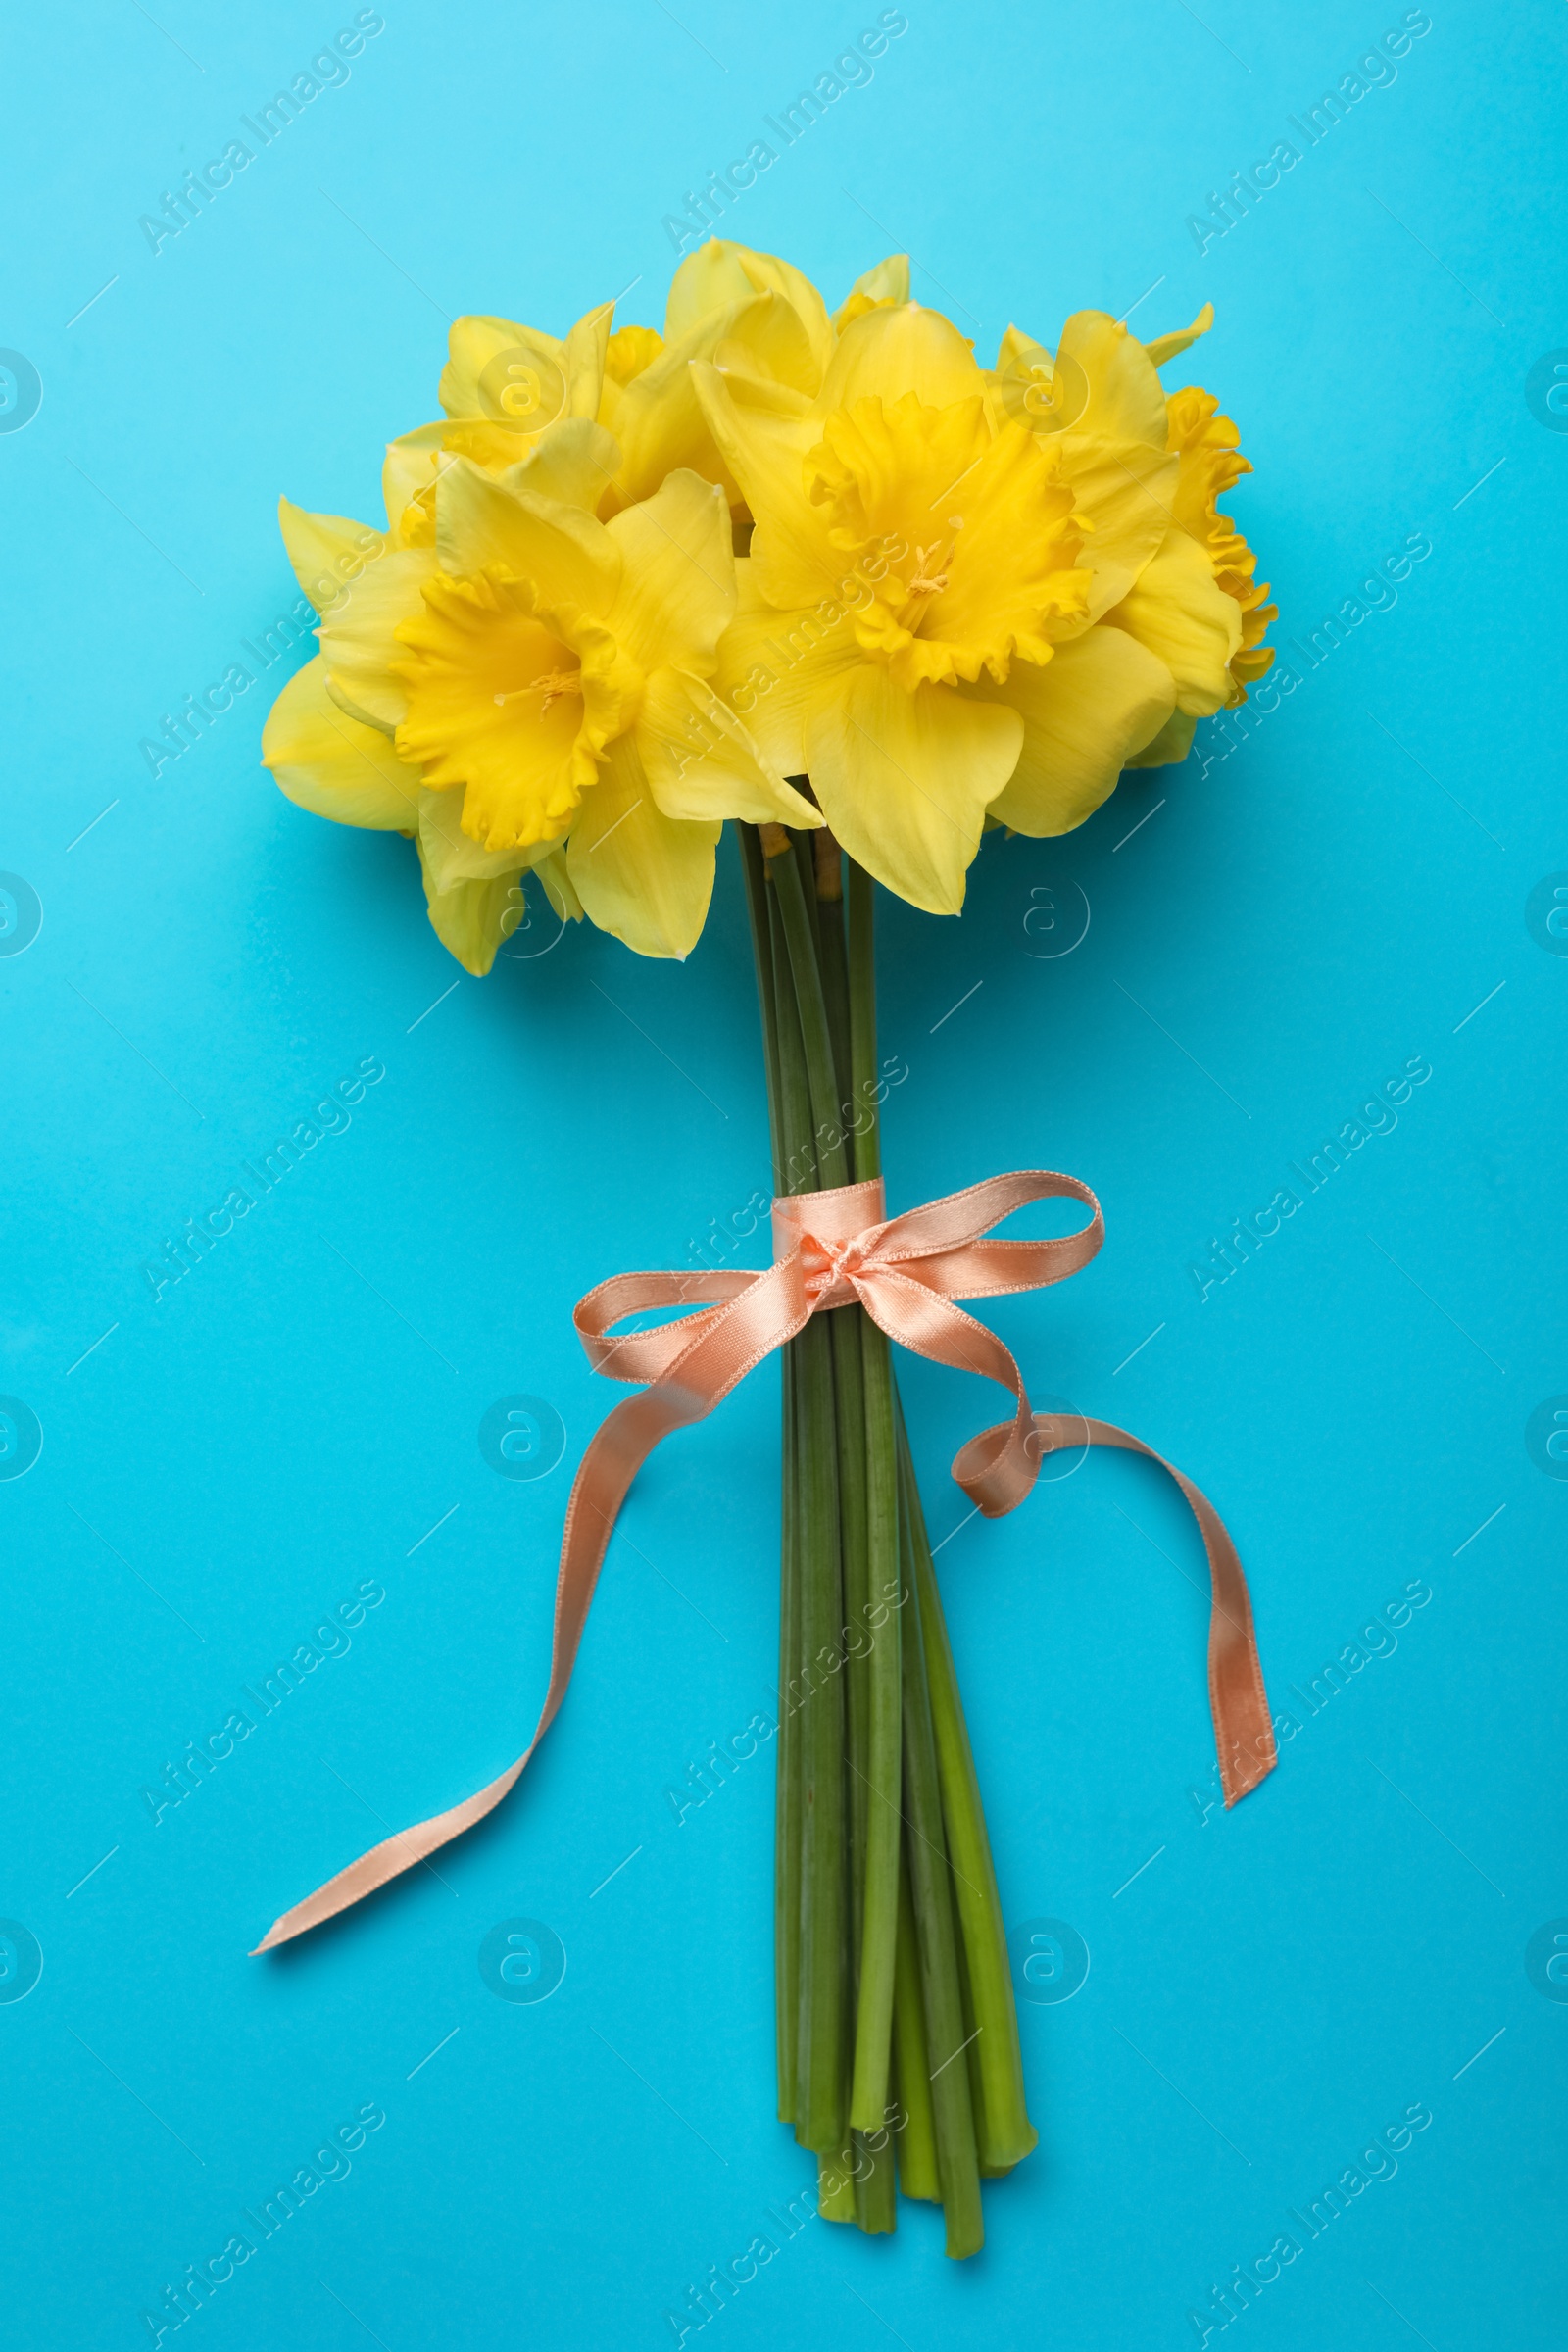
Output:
(524, 752)
(552, 686)
(957, 592)
(930, 575)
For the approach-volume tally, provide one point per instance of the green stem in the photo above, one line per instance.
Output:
(800, 935)
(871, 2150)
(818, 1692)
(849, 1380)
(799, 1172)
(886, 1894)
(862, 1022)
(931, 1892)
(787, 1765)
(867, 1477)
(849, 1386)
(917, 2144)
(823, 1993)
(754, 868)
(876, 2204)
(1003, 2130)
(836, 994)
(883, 1670)
(835, 2185)
(802, 850)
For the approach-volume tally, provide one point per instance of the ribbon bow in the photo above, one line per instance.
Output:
(830, 1248)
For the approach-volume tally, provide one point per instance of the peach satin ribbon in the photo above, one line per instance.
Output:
(829, 1249)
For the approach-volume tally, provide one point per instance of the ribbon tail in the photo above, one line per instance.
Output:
(1244, 1729)
(615, 1454)
(389, 1859)
(726, 1345)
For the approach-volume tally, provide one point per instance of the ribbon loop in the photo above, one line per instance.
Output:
(831, 1249)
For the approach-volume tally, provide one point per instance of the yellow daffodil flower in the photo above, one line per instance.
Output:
(506, 384)
(976, 596)
(1160, 465)
(503, 388)
(530, 691)
(752, 316)
(923, 618)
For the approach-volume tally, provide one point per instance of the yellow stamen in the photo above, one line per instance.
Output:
(553, 685)
(932, 584)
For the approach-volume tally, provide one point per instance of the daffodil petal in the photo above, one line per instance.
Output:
(711, 278)
(904, 348)
(751, 389)
(773, 665)
(628, 351)
(677, 575)
(480, 521)
(409, 466)
(720, 273)
(573, 463)
(702, 762)
(796, 563)
(357, 640)
(584, 359)
(1170, 746)
(1126, 401)
(331, 763)
(658, 420)
(767, 272)
(450, 856)
(768, 341)
(471, 919)
(1127, 492)
(643, 877)
(556, 875)
(1177, 609)
(328, 552)
(888, 281)
(904, 779)
(1170, 347)
(474, 343)
(350, 709)
(1097, 701)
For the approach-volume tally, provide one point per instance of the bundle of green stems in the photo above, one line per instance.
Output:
(898, 2039)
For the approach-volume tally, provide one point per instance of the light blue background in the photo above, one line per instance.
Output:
(1297, 919)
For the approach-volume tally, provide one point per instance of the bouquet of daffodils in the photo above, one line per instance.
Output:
(830, 578)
